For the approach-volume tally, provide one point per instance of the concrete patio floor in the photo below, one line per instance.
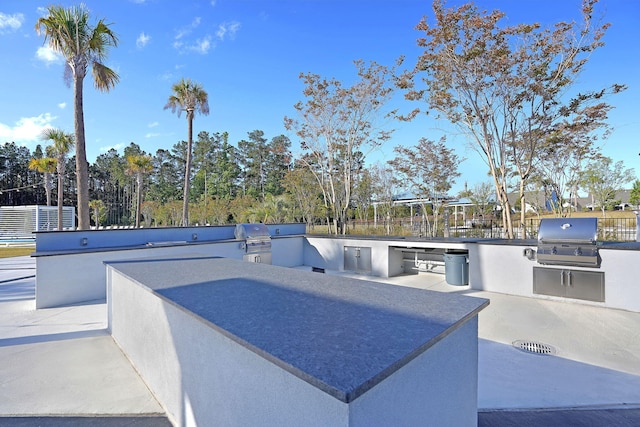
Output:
(597, 361)
(61, 367)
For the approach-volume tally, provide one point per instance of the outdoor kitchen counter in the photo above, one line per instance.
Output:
(402, 240)
(147, 245)
(438, 240)
(342, 336)
(630, 246)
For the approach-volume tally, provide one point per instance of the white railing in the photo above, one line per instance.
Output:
(22, 221)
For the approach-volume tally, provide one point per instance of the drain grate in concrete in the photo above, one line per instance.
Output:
(534, 347)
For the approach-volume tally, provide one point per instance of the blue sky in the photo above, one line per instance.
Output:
(247, 54)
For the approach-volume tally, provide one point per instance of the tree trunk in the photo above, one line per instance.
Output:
(96, 213)
(523, 210)
(436, 213)
(507, 224)
(82, 172)
(60, 194)
(47, 187)
(187, 172)
(138, 199)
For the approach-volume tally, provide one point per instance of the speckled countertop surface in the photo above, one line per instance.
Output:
(342, 335)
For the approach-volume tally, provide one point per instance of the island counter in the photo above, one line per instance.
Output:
(225, 342)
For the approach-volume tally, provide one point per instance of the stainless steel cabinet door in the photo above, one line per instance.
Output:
(357, 259)
(548, 281)
(586, 285)
(578, 284)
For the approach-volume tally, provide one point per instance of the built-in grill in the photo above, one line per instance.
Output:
(256, 242)
(568, 241)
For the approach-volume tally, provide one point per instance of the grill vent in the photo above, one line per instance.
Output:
(534, 347)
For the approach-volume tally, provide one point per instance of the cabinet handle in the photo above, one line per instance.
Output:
(569, 278)
(562, 278)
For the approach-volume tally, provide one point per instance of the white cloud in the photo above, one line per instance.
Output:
(48, 55)
(10, 22)
(142, 40)
(166, 76)
(228, 29)
(26, 129)
(152, 135)
(185, 31)
(169, 75)
(202, 45)
(62, 105)
(153, 124)
(183, 44)
(115, 147)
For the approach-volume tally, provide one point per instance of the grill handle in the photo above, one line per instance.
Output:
(566, 280)
(569, 278)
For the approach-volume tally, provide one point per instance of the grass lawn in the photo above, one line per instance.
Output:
(12, 252)
(596, 214)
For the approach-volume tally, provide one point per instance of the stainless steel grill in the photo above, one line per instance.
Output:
(256, 242)
(568, 241)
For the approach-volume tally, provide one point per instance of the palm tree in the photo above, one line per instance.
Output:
(46, 166)
(68, 32)
(139, 166)
(62, 143)
(98, 208)
(188, 96)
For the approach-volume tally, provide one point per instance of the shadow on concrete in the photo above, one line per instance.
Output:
(565, 417)
(17, 289)
(52, 337)
(98, 421)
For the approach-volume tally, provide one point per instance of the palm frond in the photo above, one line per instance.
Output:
(62, 141)
(104, 78)
(101, 39)
(188, 95)
(68, 31)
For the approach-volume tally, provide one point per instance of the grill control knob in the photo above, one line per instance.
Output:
(554, 250)
(578, 252)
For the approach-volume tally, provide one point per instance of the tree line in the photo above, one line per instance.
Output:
(255, 180)
(226, 181)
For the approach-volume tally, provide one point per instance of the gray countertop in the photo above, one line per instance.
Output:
(631, 246)
(342, 335)
(392, 240)
(404, 241)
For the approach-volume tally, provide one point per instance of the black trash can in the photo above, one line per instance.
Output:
(456, 268)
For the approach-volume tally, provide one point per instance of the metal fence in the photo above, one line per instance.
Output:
(609, 229)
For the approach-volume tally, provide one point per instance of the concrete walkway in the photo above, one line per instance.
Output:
(60, 367)
(61, 361)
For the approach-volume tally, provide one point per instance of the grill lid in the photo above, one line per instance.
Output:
(568, 230)
(252, 232)
(568, 241)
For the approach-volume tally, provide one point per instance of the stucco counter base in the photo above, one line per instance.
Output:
(226, 342)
